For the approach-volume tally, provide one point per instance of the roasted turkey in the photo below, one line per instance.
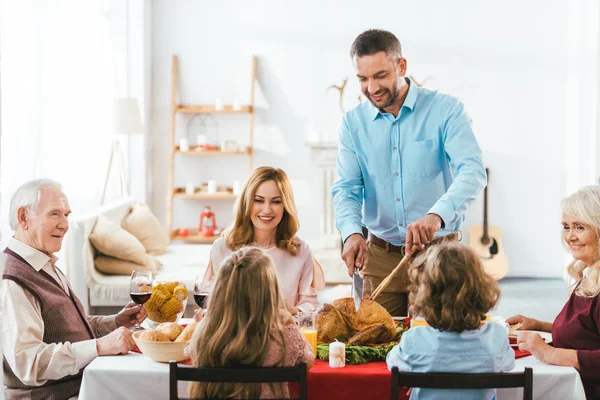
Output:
(369, 325)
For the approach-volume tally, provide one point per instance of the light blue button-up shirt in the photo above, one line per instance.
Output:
(426, 349)
(393, 171)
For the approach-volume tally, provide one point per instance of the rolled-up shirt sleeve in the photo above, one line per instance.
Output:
(33, 361)
(466, 160)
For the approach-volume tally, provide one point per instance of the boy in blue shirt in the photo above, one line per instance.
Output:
(449, 294)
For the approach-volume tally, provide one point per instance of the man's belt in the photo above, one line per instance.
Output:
(392, 248)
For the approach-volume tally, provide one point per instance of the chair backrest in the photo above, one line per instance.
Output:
(236, 375)
(447, 380)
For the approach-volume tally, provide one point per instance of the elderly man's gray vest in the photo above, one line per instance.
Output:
(64, 321)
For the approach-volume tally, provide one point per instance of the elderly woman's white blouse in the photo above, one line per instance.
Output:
(295, 273)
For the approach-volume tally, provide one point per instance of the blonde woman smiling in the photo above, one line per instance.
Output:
(266, 217)
(576, 329)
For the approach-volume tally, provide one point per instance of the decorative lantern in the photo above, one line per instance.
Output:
(208, 222)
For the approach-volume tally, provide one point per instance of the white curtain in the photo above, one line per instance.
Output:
(59, 75)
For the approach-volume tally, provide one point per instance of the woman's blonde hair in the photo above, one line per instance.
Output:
(450, 289)
(241, 233)
(584, 206)
(242, 318)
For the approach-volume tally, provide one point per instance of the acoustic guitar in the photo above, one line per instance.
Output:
(486, 240)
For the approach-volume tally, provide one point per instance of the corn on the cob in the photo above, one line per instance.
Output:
(163, 289)
(173, 306)
(180, 293)
(155, 315)
(156, 300)
(171, 318)
(170, 286)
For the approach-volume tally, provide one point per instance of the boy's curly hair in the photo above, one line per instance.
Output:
(450, 289)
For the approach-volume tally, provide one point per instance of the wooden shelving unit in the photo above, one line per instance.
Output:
(210, 109)
(204, 195)
(213, 152)
(194, 237)
(174, 150)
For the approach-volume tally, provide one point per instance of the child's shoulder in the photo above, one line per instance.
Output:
(420, 334)
(494, 328)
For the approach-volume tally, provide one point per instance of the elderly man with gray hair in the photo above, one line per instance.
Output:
(46, 337)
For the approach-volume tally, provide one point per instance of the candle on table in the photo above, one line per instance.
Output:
(337, 355)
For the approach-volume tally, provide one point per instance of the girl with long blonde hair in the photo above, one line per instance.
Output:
(265, 216)
(246, 324)
(450, 293)
(576, 329)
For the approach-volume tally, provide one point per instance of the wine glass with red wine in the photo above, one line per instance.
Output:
(140, 290)
(201, 290)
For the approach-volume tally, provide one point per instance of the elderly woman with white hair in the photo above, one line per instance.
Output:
(46, 337)
(576, 329)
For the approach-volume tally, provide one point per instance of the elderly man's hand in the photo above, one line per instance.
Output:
(118, 341)
(421, 232)
(131, 314)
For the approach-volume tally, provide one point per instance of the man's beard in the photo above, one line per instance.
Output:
(391, 100)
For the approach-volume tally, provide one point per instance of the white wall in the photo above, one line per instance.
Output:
(508, 61)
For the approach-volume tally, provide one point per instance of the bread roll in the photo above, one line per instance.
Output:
(154, 336)
(187, 333)
(171, 329)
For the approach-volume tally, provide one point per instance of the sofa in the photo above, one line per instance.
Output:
(181, 262)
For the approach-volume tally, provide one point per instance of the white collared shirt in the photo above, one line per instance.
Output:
(33, 361)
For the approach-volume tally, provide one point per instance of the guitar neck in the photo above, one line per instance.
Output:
(485, 209)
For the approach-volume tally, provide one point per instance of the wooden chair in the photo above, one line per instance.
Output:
(237, 375)
(439, 380)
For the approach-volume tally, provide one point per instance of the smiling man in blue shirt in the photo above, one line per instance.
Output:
(408, 167)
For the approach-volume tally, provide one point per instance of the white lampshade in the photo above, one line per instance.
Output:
(126, 116)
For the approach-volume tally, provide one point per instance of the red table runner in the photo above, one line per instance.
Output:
(364, 381)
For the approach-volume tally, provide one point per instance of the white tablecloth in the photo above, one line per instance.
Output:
(137, 376)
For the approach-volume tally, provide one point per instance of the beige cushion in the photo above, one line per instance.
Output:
(114, 266)
(142, 224)
(112, 240)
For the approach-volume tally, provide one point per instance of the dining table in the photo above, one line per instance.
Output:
(135, 375)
